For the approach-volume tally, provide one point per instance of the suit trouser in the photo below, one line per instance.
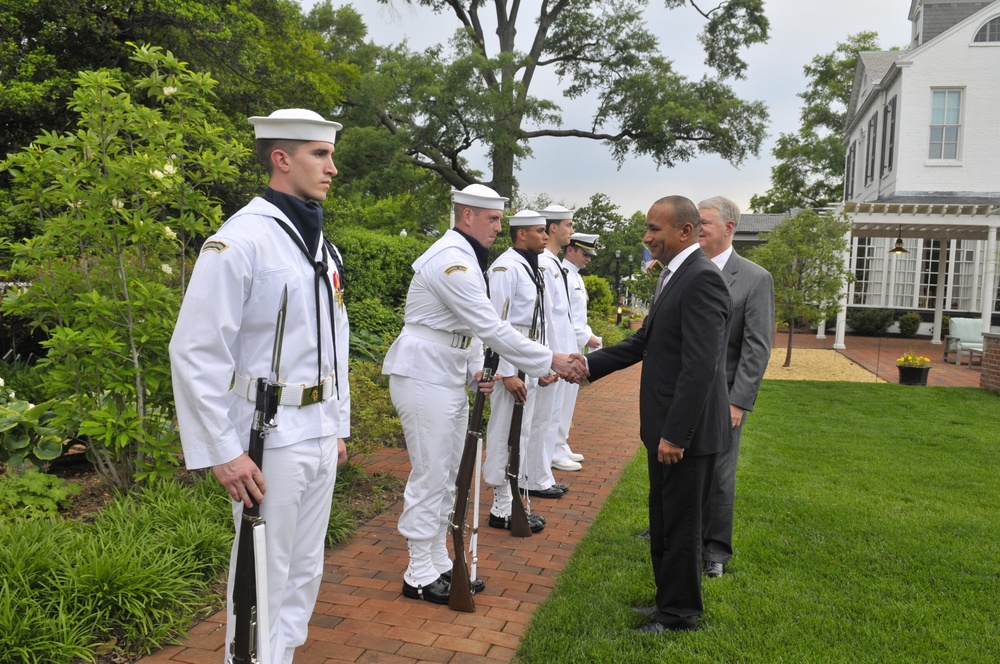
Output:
(296, 508)
(717, 531)
(677, 494)
(434, 419)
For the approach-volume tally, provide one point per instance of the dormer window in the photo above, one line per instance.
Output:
(989, 32)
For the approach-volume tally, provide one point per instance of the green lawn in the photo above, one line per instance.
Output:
(867, 530)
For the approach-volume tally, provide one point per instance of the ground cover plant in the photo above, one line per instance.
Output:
(866, 531)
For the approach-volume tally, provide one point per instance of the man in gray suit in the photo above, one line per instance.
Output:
(751, 326)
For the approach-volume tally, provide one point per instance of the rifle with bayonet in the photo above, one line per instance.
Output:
(519, 526)
(460, 595)
(251, 642)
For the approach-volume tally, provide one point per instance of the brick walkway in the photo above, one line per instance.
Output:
(361, 615)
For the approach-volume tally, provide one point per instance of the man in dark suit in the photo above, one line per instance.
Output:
(751, 327)
(683, 405)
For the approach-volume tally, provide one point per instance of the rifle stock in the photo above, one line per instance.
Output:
(251, 642)
(519, 526)
(460, 596)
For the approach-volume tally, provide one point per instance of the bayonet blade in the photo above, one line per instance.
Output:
(279, 335)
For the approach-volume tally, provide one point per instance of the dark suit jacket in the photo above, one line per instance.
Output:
(681, 344)
(751, 328)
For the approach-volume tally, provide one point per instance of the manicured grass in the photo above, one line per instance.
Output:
(867, 530)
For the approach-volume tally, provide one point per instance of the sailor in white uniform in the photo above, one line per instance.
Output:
(223, 342)
(448, 316)
(578, 253)
(515, 284)
(545, 423)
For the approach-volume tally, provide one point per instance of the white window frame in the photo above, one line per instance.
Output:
(944, 125)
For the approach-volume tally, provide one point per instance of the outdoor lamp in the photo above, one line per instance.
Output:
(898, 249)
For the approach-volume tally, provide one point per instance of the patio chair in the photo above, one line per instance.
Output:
(965, 336)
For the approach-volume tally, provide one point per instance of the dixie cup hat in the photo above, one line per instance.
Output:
(295, 124)
(526, 218)
(479, 196)
(557, 212)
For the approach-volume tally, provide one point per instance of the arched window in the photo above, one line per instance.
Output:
(989, 32)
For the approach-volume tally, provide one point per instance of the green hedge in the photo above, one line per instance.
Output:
(377, 265)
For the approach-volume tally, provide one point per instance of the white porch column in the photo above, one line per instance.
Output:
(838, 338)
(989, 278)
(939, 292)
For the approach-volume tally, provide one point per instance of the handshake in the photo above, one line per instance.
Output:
(570, 367)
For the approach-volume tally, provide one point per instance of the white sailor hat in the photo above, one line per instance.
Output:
(557, 212)
(295, 124)
(479, 196)
(526, 218)
(586, 242)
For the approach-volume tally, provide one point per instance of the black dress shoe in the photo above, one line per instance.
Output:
(478, 585)
(643, 535)
(561, 487)
(551, 492)
(656, 627)
(436, 591)
(714, 570)
(535, 521)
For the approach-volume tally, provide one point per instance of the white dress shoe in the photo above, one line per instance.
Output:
(575, 457)
(566, 464)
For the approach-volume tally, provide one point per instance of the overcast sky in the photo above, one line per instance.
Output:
(570, 170)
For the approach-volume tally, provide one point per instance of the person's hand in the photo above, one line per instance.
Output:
(545, 381)
(668, 453)
(516, 387)
(341, 451)
(485, 386)
(594, 342)
(736, 415)
(243, 480)
(570, 367)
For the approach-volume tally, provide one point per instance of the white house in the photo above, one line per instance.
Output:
(923, 165)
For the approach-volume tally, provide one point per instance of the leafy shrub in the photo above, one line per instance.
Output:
(600, 298)
(869, 322)
(27, 438)
(909, 324)
(377, 265)
(374, 422)
(34, 494)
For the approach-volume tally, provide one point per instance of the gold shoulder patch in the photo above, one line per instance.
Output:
(499, 268)
(217, 246)
(455, 268)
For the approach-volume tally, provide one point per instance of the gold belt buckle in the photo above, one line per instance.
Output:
(311, 395)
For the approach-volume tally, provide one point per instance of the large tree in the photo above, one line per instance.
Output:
(480, 94)
(260, 51)
(810, 168)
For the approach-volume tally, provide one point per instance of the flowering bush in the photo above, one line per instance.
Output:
(911, 359)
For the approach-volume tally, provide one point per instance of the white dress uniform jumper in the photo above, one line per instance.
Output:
(222, 341)
(448, 316)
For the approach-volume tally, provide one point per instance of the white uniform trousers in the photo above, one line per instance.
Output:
(542, 439)
(498, 432)
(562, 450)
(435, 419)
(296, 508)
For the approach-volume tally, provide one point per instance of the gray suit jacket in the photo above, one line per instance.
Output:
(751, 327)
